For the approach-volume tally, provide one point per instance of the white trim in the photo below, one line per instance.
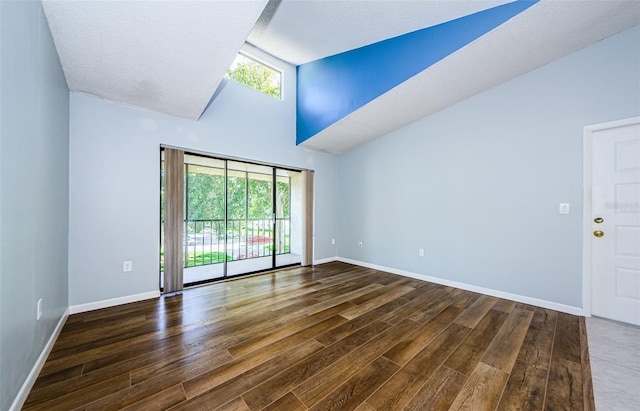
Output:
(488, 291)
(80, 308)
(74, 309)
(325, 260)
(587, 203)
(252, 56)
(18, 402)
(586, 220)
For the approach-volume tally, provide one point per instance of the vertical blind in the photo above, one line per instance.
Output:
(174, 219)
(307, 218)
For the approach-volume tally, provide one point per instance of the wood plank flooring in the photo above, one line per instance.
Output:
(329, 337)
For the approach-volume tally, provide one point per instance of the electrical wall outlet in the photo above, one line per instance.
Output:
(39, 310)
(333, 241)
(421, 252)
(127, 266)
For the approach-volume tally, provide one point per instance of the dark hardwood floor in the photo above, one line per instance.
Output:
(332, 337)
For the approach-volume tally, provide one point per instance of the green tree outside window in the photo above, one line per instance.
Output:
(249, 72)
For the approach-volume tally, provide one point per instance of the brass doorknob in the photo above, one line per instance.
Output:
(598, 220)
(598, 233)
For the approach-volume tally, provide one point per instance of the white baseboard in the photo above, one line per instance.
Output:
(325, 260)
(18, 402)
(74, 309)
(80, 308)
(488, 291)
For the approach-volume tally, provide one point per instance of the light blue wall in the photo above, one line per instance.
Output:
(478, 185)
(114, 178)
(2, 395)
(34, 130)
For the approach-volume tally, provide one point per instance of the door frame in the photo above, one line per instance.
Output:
(274, 167)
(587, 209)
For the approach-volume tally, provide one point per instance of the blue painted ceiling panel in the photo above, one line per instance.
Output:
(331, 88)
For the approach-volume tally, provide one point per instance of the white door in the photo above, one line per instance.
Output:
(615, 221)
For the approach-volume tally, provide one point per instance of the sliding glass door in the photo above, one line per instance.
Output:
(239, 218)
(204, 228)
(250, 235)
(288, 209)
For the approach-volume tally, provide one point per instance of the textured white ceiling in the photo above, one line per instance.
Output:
(170, 56)
(299, 31)
(541, 34)
(167, 56)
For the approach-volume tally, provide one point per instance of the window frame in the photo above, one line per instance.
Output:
(264, 63)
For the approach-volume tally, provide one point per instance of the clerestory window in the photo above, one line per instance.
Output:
(256, 74)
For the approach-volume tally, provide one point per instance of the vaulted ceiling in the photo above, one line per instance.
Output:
(170, 56)
(302, 31)
(167, 56)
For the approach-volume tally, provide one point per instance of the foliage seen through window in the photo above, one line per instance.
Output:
(256, 75)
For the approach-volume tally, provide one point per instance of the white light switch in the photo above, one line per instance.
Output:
(564, 208)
